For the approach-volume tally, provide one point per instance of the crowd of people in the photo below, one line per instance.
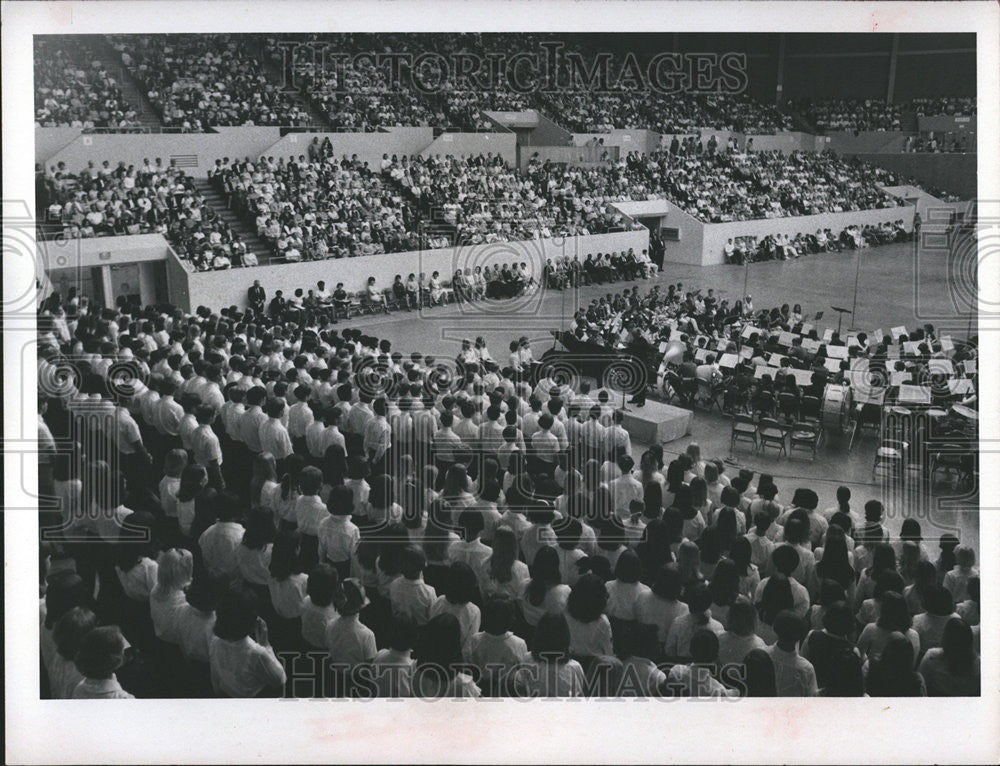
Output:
(318, 208)
(870, 114)
(73, 88)
(250, 490)
(201, 81)
(935, 143)
(737, 186)
(959, 106)
(128, 199)
(741, 250)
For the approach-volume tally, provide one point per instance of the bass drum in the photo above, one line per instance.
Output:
(836, 411)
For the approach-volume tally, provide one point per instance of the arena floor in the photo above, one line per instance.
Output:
(898, 285)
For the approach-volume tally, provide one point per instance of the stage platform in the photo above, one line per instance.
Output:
(656, 423)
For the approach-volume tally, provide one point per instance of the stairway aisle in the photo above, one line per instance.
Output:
(131, 88)
(246, 231)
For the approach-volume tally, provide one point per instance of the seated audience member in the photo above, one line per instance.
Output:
(952, 669)
(551, 671)
(795, 676)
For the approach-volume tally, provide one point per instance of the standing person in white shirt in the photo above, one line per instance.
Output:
(300, 417)
(274, 437)
(496, 651)
(409, 595)
(392, 669)
(206, 447)
(794, 675)
(241, 660)
(377, 436)
(338, 536)
(253, 419)
(220, 542)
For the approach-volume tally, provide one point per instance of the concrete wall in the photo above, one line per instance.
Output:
(368, 146)
(133, 148)
(546, 133)
(946, 123)
(224, 288)
(572, 155)
(866, 142)
(933, 211)
(468, 144)
(716, 234)
(644, 141)
(689, 248)
(50, 140)
(955, 173)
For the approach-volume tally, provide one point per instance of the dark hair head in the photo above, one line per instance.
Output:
(587, 599)
(462, 586)
(785, 559)
(704, 646)
(668, 583)
(788, 626)
(498, 615)
(698, 598)
(938, 601)
(70, 629)
(894, 614)
(760, 674)
(552, 638)
(101, 652)
(775, 598)
(323, 585)
(440, 644)
(236, 615)
(403, 633)
(628, 567)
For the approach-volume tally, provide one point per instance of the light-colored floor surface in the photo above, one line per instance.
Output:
(899, 284)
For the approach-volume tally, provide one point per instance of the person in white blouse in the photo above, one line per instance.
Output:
(241, 661)
(496, 651)
(589, 627)
(175, 569)
(220, 542)
(461, 590)
(502, 573)
(551, 673)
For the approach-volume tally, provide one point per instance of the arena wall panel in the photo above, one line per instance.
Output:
(644, 141)
(947, 123)
(217, 289)
(716, 234)
(467, 144)
(368, 146)
(955, 173)
(133, 148)
(846, 142)
(48, 141)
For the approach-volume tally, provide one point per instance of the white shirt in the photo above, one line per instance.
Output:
(591, 639)
(622, 599)
(468, 616)
(350, 642)
(412, 598)
(194, 632)
(219, 545)
(288, 595)
(243, 668)
(274, 438)
(315, 620)
(794, 675)
(106, 689)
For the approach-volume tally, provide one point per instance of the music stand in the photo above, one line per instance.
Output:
(840, 318)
